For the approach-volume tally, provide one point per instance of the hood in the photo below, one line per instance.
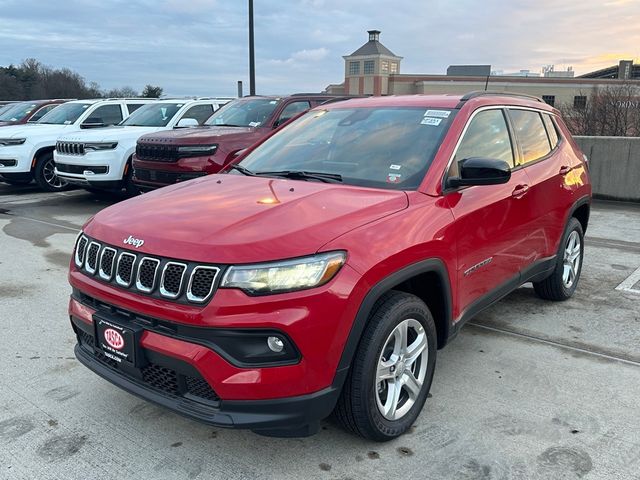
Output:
(36, 130)
(238, 219)
(201, 135)
(109, 134)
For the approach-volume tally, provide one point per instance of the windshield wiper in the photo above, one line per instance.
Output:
(243, 170)
(224, 125)
(304, 175)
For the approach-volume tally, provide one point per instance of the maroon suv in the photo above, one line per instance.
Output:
(169, 157)
(27, 112)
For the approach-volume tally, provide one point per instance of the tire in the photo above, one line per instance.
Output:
(562, 283)
(44, 175)
(365, 398)
(18, 180)
(130, 188)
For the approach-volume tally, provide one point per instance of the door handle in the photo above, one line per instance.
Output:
(564, 170)
(520, 191)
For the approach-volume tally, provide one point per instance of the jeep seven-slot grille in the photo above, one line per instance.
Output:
(70, 148)
(157, 153)
(184, 282)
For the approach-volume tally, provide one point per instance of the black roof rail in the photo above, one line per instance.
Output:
(482, 93)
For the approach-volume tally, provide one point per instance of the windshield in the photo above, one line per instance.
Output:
(65, 114)
(251, 112)
(388, 148)
(153, 115)
(17, 112)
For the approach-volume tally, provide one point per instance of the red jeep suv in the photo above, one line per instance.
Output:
(175, 156)
(324, 270)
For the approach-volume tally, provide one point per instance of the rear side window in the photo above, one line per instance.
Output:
(531, 134)
(487, 136)
(552, 131)
(199, 112)
(106, 114)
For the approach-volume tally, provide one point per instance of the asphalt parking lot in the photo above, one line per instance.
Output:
(529, 389)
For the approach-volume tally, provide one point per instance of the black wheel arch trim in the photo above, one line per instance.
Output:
(41, 151)
(584, 200)
(432, 265)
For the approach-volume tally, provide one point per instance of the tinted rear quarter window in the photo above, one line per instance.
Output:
(551, 130)
(530, 133)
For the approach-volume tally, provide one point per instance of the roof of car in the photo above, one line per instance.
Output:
(443, 101)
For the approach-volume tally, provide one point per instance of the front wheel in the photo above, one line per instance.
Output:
(45, 175)
(562, 283)
(392, 369)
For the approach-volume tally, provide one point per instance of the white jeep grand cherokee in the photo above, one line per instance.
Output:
(26, 151)
(101, 159)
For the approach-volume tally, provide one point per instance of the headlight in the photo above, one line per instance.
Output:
(197, 150)
(99, 146)
(285, 276)
(8, 142)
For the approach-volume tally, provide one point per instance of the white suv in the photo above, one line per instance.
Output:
(26, 151)
(102, 159)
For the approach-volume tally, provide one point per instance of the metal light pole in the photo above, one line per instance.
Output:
(252, 59)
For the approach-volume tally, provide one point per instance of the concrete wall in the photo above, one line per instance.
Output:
(614, 163)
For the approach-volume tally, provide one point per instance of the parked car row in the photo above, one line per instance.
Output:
(332, 259)
(147, 145)
(26, 151)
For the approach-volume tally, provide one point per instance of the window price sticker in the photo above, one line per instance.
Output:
(437, 113)
(431, 121)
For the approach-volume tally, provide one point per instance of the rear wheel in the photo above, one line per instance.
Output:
(392, 369)
(562, 283)
(45, 175)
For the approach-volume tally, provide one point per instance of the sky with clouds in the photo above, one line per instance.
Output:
(200, 47)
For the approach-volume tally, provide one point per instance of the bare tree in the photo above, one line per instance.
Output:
(613, 110)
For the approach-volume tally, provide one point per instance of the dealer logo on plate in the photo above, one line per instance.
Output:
(113, 338)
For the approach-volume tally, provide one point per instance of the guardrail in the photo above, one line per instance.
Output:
(614, 164)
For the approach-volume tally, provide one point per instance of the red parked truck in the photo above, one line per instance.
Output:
(324, 271)
(175, 156)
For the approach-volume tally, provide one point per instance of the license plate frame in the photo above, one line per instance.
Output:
(128, 354)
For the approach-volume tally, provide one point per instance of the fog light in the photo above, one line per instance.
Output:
(275, 344)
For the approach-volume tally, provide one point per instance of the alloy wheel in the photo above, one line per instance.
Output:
(401, 369)
(49, 174)
(571, 261)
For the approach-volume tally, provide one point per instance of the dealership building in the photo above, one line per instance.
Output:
(373, 69)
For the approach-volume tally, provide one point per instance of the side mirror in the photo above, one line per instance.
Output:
(481, 171)
(187, 122)
(92, 122)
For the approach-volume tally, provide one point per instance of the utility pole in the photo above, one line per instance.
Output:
(252, 59)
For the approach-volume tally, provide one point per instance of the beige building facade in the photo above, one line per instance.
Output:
(374, 70)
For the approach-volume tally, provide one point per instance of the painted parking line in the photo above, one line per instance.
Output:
(629, 282)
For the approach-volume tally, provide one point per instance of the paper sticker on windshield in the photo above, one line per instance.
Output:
(219, 121)
(437, 113)
(393, 177)
(254, 124)
(395, 167)
(431, 121)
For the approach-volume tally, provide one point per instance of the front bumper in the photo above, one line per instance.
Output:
(99, 168)
(179, 386)
(149, 175)
(16, 159)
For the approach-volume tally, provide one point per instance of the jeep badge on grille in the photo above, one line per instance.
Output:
(136, 242)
